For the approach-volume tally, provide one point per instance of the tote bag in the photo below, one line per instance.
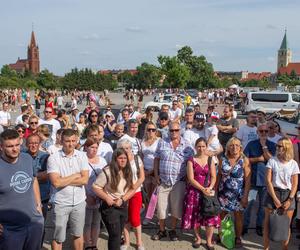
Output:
(279, 226)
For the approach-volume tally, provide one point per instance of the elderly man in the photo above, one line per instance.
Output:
(170, 171)
(259, 152)
(68, 171)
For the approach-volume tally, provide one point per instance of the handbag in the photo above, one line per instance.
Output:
(279, 225)
(210, 204)
(152, 204)
(227, 232)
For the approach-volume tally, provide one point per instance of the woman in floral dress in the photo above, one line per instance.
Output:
(197, 170)
(234, 184)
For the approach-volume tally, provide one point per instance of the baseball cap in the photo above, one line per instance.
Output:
(163, 116)
(199, 116)
(215, 115)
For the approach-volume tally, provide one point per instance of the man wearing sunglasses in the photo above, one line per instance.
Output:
(52, 124)
(258, 151)
(170, 172)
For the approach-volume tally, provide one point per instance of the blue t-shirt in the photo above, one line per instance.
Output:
(39, 164)
(17, 203)
(258, 170)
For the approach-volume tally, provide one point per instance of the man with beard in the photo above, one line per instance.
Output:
(21, 220)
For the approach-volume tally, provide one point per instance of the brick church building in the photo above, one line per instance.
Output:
(32, 63)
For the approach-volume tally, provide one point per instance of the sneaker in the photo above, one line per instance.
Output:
(159, 235)
(141, 248)
(173, 235)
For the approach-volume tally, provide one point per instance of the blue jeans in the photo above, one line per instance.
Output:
(261, 192)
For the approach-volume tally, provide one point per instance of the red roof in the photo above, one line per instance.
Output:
(257, 76)
(20, 65)
(288, 69)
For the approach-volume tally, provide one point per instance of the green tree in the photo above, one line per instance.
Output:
(7, 71)
(46, 79)
(147, 76)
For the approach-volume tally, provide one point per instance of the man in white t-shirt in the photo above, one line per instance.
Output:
(197, 131)
(132, 113)
(248, 132)
(52, 124)
(175, 112)
(133, 127)
(60, 101)
(5, 118)
(24, 109)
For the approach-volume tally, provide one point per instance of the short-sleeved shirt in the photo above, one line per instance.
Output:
(53, 126)
(175, 113)
(258, 169)
(4, 117)
(224, 137)
(135, 143)
(246, 134)
(172, 162)
(193, 134)
(282, 172)
(105, 150)
(39, 163)
(212, 130)
(103, 182)
(17, 202)
(65, 166)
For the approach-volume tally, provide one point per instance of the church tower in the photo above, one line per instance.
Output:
(33, 56)
(284, 54)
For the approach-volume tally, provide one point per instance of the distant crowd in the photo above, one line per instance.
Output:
(70, 155)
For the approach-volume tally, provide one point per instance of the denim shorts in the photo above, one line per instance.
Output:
(62, 215)
(282, 195)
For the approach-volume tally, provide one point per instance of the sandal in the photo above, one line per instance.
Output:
(209, 247)
(173, 236)
(160, 234)
(196, 245)
(238, 243)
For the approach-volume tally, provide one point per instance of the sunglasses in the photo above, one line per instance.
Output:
(174, 130)
(279, 146)
(151, 129)
(21, 131)
(34, 123)
(164, 119)
(263, 131)
(49, 112)
(94, 115)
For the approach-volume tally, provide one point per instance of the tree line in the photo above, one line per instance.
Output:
(184, 70)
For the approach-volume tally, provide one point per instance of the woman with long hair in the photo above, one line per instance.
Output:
(114, 185)
(149, 146)
(199, 168)
(92, 213)
(93, 118)
(233, 184)
(135, 202)
(281, 180)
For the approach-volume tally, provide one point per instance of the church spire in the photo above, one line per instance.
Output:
(284, 43)
(32, 40)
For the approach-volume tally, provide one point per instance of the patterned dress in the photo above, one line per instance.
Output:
(191, 217)
(231, 188)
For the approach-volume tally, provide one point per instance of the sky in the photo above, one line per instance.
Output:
(233, 35)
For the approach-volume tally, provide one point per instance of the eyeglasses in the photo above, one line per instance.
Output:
(279, 146)
(21, 131)
(34, 123)
(174, 130)
(263, 131)
(151, 129)
(33, 143)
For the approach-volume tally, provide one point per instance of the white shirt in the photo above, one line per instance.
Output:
(4, 117)
(148, 153)
(274, 138)
(60, 101)
(282, 173)
(246, 134)
(193, 134)
(53, 126)
(105, 151)
(53, 149)
(212, 130)
(65, 166)
(134, 170)
(175, 113)
(19, 120)
(134, 115)
(135, 143)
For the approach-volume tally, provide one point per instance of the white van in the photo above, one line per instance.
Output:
(271, 101)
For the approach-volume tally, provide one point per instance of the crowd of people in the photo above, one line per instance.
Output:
(90, 167)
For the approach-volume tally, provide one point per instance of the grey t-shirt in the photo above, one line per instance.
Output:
(17, 203)
(224, 137)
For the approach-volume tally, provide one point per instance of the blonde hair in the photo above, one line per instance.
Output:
(44, 129)
(147, 125)
(33, 117)
(228, 144)
(288, 150)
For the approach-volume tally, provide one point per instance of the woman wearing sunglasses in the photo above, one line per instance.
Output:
(281, 180)
(21, 131)
(33, 126)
